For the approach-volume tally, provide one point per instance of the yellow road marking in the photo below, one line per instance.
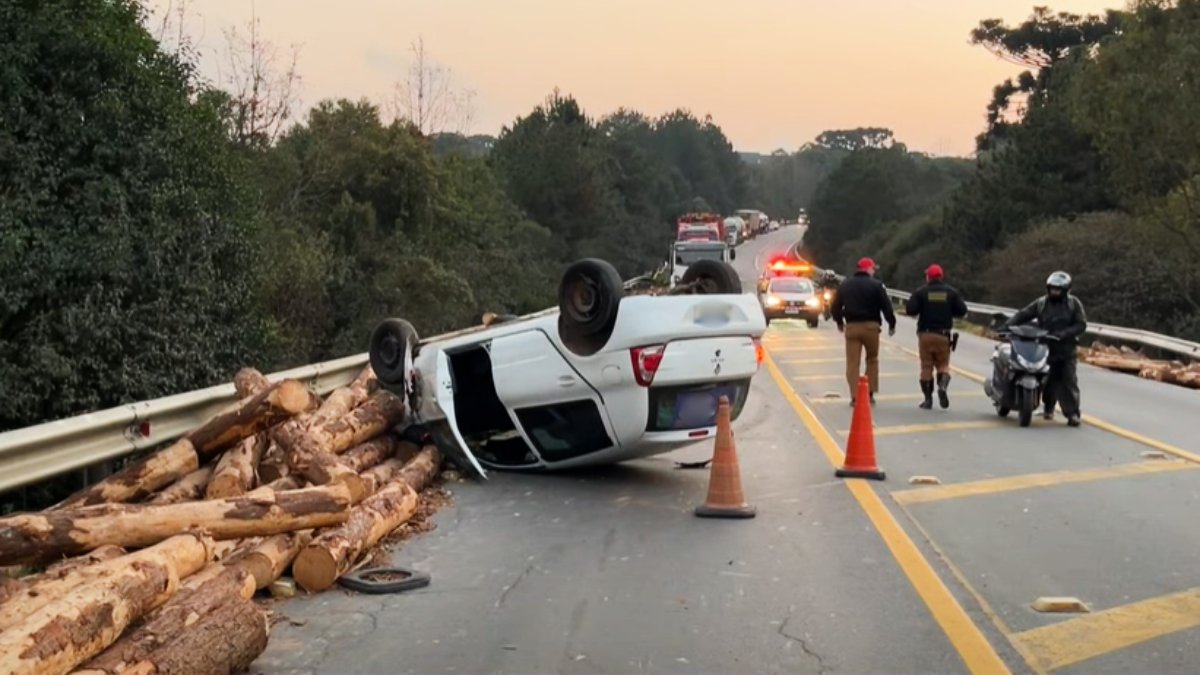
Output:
(1032, 480)
(830, 348)
(964, 635)
(1068, 642)
(835, 360)
(933, 426)
(896, 397)
(1103, 425)
(842, 376)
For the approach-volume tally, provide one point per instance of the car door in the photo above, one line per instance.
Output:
(444, 393)
(559, 413)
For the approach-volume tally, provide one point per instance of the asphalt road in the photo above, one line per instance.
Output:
(607, 571)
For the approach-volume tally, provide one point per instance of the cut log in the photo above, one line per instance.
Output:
(247, 382)
(140, 479)
(375, 416)
(285, 483)
(235, 472)
(59, 570)
(81, 624)
(323, 468)
(366, 455)
(1119, 363)
(341, 401)
(333, 552)
(270, 558)
(273, 464)
(380, 475)
(265, 409)
(226, 640)
(186, 489)
(201, 595)
(29, 600)
(41, 536)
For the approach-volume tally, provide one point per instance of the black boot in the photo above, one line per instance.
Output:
(927, 389)
(943, 396)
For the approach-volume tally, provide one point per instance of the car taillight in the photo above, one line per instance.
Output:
(646, 361)
(759, 351)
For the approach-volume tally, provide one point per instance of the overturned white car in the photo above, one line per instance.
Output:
(604, 377)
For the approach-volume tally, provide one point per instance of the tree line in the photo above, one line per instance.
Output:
(159, 231)
(1090, 163)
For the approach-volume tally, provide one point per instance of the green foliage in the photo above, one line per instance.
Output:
(853, 140)
(783, 183)
(126, 248)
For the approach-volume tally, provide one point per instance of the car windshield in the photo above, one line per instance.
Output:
(791, 286)
(689, 256)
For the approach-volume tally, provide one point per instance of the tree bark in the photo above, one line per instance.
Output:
(285, 483)
(375, 416)
(323, 468)
(226, 640)
(59, 570)
(341, 401)
(186, 489)
(257, 413)
(82, 623)
(55, 586)
(140, 479)
(273, 465)
(247, 382)
(270, 558)
(380, 475)
(236, 470)
(201, 595)
(366, 455)
(334, 551)
(39, 536)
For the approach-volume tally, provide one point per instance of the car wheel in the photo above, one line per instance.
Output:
(813, 323)
(713, 277)
(393, 344)
(589, 295)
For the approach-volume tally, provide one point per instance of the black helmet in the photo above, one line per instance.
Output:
(1059, 280)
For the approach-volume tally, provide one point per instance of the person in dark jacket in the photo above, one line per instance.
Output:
(860, 306)
(1060, 313)
(936, 305)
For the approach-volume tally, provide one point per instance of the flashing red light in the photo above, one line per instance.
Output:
(760, 352)
(646, 361)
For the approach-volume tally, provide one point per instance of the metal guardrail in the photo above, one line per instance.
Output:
(35, 453)
(1162, 343)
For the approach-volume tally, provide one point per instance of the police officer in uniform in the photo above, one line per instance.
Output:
(860, 307)
(936, 305)
(1060, 313)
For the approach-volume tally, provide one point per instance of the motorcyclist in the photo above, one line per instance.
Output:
(1061, 314)
(828, 284)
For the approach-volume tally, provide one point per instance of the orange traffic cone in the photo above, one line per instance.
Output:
(725, 499)
(860, 447)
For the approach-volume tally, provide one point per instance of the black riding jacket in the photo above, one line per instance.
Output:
(1063, 318)
(936, 305)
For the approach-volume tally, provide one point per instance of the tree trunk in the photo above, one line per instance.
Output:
(201, 595)
(334, 551)
(382, 474)
(52, 587)
(186, 489)
(247, 382)
(140, 479)
(226, 640)
(269, 559)
(323, 468)
(59, 570)
(273, 464)
(366, 455)
(375, 416)
(235, 472)
(341, 401)
(285, 483)
(39, 536)
(257, 413)
(82, 623)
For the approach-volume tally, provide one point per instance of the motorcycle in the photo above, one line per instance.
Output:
(1020, 367)
(826, 304)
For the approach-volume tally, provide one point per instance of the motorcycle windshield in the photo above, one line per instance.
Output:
(1031, 351)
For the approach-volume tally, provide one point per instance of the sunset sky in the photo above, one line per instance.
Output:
(772, 73)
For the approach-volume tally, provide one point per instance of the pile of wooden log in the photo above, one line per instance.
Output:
(154, 569)
(1131, 361)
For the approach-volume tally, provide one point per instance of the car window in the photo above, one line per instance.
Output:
(791, 286)
(565, 430)
(688, 257)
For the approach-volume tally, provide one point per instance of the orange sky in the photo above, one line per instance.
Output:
(773, 73)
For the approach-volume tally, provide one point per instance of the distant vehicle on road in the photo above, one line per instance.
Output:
(604, 377)
(684, 254)
(791, 298)
(783, 267)
(700, 227)
(773, 226)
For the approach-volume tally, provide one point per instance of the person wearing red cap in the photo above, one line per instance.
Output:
(936, 305)
(859, 308)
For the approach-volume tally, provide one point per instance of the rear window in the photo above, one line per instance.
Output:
(693, 406)
(791, 285)
(565, 430)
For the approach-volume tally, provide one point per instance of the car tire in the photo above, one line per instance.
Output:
(589, 295)
(813, 323)
(361, 581)
(713, 277)
(393, 344)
